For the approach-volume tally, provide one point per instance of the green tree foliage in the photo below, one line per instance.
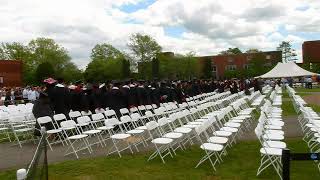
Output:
(107, 63)
(105, 51)
(47, 50)
(39, 51)
(253, 50)
(70, 73)
(43, 71)
(231, 51)
(288, 53)
(143, 47)
(179, 67)
(102, 70)
(258, 66)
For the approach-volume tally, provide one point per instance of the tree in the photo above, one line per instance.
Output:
(207, 68)
(104, 52)
(253, 50)
(288, 54)
(144, 47)
(43, 71)
(71, 73)
(18, 51)
(231, 51)
(47, 50)
(39, 51)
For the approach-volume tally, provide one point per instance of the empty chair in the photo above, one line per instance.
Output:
(51, 132)
(19, 128)
(73, 135)
(117, 138)
(86, 113)
(161, 144)
(86, 126)
(58, 118)
(74, 115)
(124, 111)
(110, 114)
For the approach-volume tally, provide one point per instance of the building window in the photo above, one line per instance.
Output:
(230, 60)
(214, 68)
(246, 66)
(231, 67)
(268, 56)
(249, 58)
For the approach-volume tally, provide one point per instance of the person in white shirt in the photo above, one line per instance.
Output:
(25, 94)
(32, 95)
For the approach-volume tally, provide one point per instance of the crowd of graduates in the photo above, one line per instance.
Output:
(62, 98)
(126, 94)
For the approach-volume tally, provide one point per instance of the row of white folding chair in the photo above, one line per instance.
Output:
(20, 128)
(5, 129)
(270, 135)
(310, 125)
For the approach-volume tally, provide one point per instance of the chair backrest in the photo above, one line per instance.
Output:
(59, 117)
(110, 113)
(96, 117)
(142, 108)
(111, 122)
(124, 111)
(84, 113)
(148, 107)
(148, 114)
(200, 129)
(152, 125)
(135, 116)
(68, 123)
(44, 120)
(125, 119)
(154, 106)
(163, 121)
(83, 120)
(133, 109)
(16, 119)
(74, 114)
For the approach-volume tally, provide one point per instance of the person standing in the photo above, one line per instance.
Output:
(115, 98)
(42, 108)
(61, 99)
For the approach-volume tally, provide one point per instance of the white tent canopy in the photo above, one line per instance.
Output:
(290, 69)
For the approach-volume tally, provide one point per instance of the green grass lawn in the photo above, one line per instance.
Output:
(307, 90)
(241, 163)
(287, 106)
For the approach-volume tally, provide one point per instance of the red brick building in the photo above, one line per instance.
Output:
(311, 51)
(10, 73)
(221, 63)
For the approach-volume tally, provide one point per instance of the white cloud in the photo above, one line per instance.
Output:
(211, 26)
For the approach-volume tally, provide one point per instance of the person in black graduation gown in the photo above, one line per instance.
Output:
(61, 99)
(97, 97)
(165, 93)
(141, 93)
(173, 92)
(76, 95)
(125, 89)
(86, 101)
(42, 108)
(155, 95)
(180, 93)
(132, 96)
(115, 98)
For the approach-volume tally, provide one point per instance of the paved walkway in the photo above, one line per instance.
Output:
(15, 157)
